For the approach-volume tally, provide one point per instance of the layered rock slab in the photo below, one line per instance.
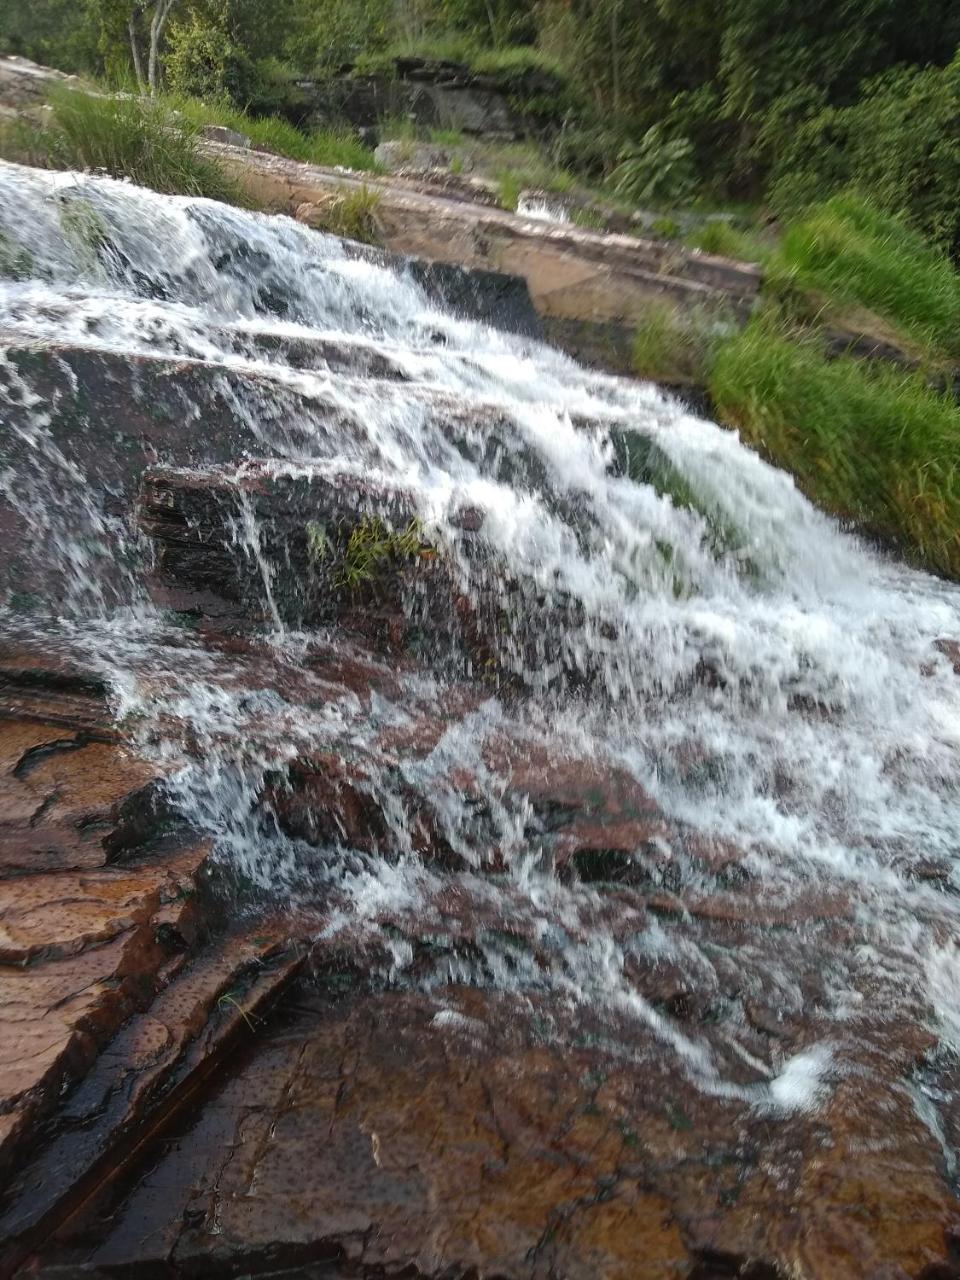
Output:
(397, 1133)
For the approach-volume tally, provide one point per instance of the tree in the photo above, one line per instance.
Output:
(159, 11)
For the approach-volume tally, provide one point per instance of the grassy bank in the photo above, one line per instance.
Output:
(157, 142)
(124, 137)
(871, 442)
(847, 263)
(866, 441)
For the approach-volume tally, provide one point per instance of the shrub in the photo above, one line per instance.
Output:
(124, 137)
(869, 443)
(201, 61)
(900, 145)
(659, 170)
(847, 253)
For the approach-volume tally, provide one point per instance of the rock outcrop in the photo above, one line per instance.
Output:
(570, 272)
(435, 93)
(374, 902)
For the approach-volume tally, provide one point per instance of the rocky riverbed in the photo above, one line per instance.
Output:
(462, 816)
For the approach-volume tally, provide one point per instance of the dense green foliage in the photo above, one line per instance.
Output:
(899, 143)
(798, 98)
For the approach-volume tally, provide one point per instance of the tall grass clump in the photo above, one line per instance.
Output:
(124, 137)
(846, 254)
(675, 348)
(869, 443)
(318, 146)
(353, 215)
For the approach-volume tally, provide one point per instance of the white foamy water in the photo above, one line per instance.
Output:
(680, 613)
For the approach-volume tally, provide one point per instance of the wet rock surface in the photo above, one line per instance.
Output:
(392, 1132)
(611, 934)
(163, 1114)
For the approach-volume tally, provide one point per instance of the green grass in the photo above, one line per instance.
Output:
(509, 63)
(665, 229)
(509, 186)
(352, 215)
(672, 347)
(868, 442)
(372, 549)
(514, 61)
(319, 146)
(845, 256)
(446, 137)
(727, 242)
(124, 137)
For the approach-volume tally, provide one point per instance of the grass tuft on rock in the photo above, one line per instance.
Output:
(868, 442)
(352, 215)
(372, 547)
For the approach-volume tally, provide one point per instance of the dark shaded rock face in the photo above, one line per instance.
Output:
(436, 94)
(488, 296)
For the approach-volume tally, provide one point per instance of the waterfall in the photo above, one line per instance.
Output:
(677, 613)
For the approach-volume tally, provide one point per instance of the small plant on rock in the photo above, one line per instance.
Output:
(371, 548)
(352, 215)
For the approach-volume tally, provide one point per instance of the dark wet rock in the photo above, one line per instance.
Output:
(335, 549)
(490, 297)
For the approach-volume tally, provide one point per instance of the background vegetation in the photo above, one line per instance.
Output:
(777, 100)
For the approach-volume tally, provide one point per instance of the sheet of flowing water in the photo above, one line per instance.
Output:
(720, 563)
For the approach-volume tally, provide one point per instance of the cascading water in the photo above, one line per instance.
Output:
(679, 615)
